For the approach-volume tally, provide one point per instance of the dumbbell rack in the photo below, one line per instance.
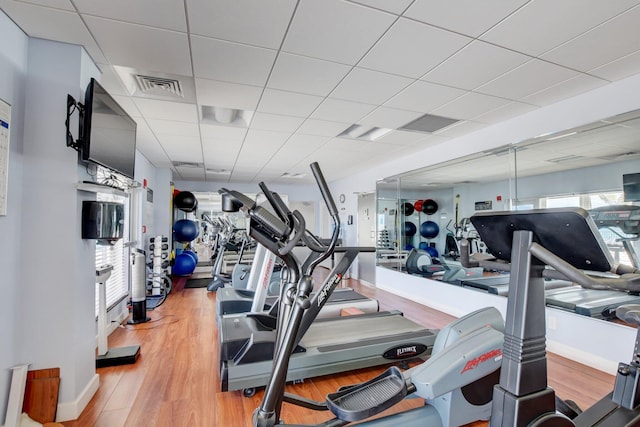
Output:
(159, 262)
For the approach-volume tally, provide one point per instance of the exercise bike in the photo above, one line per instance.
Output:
(529, 240)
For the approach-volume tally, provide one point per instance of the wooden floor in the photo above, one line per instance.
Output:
(175, 382)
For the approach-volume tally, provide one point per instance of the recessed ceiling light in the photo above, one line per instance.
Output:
(293, 175)
(219, 171)
(367, 133)
(225, 116)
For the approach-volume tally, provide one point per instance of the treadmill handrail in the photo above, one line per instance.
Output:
(626, 282)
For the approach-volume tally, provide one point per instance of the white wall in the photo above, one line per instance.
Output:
(56, 326)
(13, 69)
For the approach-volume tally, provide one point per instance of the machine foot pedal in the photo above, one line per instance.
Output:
(367, 399)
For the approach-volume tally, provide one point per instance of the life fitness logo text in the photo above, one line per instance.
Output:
(476, 361)
(324, 293)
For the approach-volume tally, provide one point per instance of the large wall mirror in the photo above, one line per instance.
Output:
(427, 210)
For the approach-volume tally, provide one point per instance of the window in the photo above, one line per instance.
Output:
(117, 255)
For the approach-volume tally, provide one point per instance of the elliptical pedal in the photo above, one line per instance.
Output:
(364, 400)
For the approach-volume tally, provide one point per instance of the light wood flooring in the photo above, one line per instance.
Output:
(176, 383)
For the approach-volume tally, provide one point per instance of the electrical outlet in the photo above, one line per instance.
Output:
(551, 323)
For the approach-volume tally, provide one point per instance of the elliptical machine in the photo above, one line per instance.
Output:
(455, 382)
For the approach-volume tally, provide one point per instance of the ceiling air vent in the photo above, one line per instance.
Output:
(188, 165)
(151, 85)
(428, 123)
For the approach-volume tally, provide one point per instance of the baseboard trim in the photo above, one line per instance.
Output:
(68, 411)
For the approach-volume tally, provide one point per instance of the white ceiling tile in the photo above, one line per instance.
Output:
(470, 105)
(275, 122)
(154, 109)
(460, 129)
(401, 137)
(261, 140)
(505, 112)
(221, 152)
(304, 143)
(626, 66)
(487, 62)
(128, 105)
(542, 25)
(141, 47)
(57, 4)
(339, 110)
(391, 118)
(372, 87)
(412, 48)
(53, 24)
(346, 145)
(181, 148)
(253, 22)
(231, 62)
(566, 89)
(322, 127)
(191, 174)
(229, 95)
(147, 143)
(528, 78)
(146, 12)
(335, 30)
(423, 96)
(222, 133)
(616, 38)
(313, 76)
(468, 17)
(172, 127)
(395, 6)
(288, 103)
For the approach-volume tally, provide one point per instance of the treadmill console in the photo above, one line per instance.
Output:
(626, 217)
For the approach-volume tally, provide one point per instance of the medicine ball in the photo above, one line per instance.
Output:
(183, 265)
(429, 229)
(423, 245)
(418, 205)
(408, 247)
(185, 230)
(433, 252)
(185, 201)
(407, 208)
(429, 207)
(409, 228)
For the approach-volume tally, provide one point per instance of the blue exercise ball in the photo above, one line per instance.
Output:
(409, 228)
(183, 265)
(185, 230)
(433, 252)
(423, 245)
(429, 229)
(192, 254)
(408, 247)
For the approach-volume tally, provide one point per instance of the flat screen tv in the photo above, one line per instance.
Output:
(631, 187)
(107, 132)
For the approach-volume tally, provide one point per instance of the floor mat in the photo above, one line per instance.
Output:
(198, 283)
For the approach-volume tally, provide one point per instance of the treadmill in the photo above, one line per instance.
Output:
(619, 226)
(257, 296)
(322, 346)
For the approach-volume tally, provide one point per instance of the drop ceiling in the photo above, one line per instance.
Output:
(256, 90)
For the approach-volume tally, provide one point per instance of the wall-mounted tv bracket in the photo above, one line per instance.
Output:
(72, 106)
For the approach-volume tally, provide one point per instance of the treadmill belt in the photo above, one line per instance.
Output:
(357, 328)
